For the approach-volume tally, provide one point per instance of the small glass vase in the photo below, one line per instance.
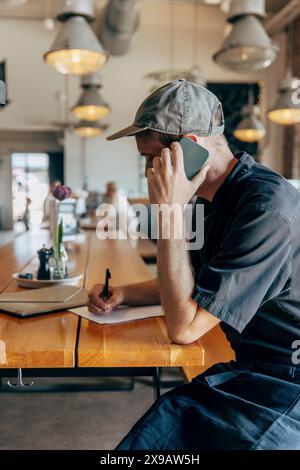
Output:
(59, 267)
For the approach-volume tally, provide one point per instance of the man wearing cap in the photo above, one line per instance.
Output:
(246, 276)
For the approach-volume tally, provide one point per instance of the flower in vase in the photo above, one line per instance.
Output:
(60, 192)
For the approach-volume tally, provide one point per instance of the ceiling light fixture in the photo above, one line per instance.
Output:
(89, 129)
(287, 108)
(91, 106)
(248, 46)
(251, 128)
(76, 50)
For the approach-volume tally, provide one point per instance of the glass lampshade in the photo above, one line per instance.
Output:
(246, 58)
(89, 129)
(76, 50)
(287, 109)
(91, 113)
(251, 128)
(248, 47)
(91, 106)
(76, 61)
(249, 135)
(286, 117)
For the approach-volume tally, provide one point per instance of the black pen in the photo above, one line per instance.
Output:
(105, 294)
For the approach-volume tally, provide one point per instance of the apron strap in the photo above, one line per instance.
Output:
(223, 377)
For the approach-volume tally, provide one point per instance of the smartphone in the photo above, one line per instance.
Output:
(194, 155)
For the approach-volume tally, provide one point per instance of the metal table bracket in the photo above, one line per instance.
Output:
(20, 384)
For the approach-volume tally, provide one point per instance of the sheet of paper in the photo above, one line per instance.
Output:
(121, 314)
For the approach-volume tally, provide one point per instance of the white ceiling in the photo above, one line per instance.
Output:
(50, 8)
(35, 8)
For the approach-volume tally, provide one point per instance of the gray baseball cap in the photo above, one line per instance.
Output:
(178, 108)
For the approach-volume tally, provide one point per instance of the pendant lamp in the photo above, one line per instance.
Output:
(287, 108)
(89, 129)
(251, 128)
(248, 46)
(91, 106)
(76, 50)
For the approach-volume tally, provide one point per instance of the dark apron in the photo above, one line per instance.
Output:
(231, 406)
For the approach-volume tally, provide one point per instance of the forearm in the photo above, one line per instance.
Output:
(143, 293)
(170, 189)
(176, 284)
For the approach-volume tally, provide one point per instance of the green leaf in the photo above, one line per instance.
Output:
(58, 239)
(60, 232)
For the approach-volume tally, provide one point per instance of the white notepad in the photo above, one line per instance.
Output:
(121, 314)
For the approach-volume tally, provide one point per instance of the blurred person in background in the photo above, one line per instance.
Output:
(26, 215)
(116, 208)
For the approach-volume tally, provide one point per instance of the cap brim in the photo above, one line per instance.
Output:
(126, 132)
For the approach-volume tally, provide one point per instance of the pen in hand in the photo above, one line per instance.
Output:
(105, 294)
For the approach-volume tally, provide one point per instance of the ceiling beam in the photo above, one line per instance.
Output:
(283, 18)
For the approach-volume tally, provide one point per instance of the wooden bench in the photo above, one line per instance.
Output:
(216, 349)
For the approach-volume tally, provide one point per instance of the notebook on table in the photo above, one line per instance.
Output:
(44, 300)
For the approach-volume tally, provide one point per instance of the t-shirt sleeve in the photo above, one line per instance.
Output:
(250, 268)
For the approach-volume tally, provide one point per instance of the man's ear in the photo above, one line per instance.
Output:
(193, 137)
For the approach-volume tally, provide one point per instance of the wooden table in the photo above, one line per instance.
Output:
(62, 343)
(146, 248)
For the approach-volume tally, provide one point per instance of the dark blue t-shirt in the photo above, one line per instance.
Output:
(248, 271)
